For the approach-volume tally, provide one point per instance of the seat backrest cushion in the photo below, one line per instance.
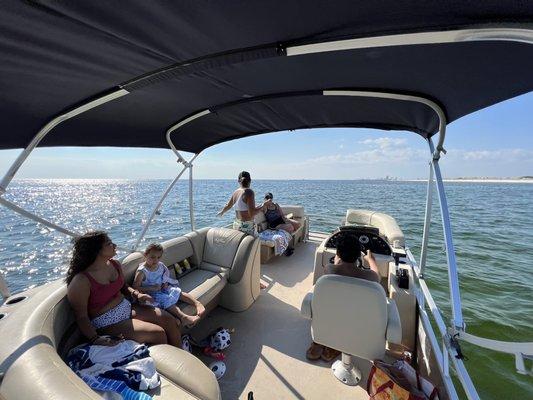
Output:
(388, 227)
(350, 315)
(175, 250)
(296, 211)
(386, 224)
(197, 239)
(221, 246)
(130, 265)
(261, 221)
(359, 217)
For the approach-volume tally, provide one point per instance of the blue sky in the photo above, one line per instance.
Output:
(495, 142)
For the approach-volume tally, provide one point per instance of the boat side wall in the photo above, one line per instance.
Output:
(29, 359)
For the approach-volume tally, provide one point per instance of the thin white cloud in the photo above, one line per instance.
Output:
(384, 142)
(394, 151)
(382, 150)
(502, 155)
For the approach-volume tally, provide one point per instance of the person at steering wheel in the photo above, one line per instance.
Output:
(347, 262)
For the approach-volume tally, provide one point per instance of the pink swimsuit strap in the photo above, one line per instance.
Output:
(102, 293)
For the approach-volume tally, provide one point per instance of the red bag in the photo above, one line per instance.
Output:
(398, 381)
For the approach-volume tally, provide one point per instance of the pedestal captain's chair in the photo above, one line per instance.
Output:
(353, 316)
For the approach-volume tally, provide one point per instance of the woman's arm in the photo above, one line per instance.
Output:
(78, 296)
(134, 294)
(228, 206)
(369, 257)
(250, 202)
(285, 219)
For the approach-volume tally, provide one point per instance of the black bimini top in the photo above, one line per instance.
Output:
(252, 67)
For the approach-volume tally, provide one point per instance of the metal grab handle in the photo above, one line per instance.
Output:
(520, 350)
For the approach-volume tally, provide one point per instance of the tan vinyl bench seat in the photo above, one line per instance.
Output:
(225, 267)
(44, 329)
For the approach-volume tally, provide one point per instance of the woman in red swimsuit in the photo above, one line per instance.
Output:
(96, 291)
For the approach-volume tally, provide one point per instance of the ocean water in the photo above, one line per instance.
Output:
(492, 226)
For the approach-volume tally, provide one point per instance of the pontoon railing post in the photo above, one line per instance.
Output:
(427, 222)
(191, 203)
(457, 314)
(163, 197)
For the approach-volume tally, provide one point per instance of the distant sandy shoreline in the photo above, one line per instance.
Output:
(477, 180)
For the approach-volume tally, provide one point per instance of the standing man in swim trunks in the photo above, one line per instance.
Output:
(243, 200)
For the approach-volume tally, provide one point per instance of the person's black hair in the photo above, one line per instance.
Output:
(348, 248)
(245, 179)
(86, 249)
(269, 195)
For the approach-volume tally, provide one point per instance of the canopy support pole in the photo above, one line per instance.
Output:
(187, 164)
(191, 203)
(453, 278)
(10, 174)
(163, 197)
(427, 222)
(8, 177)
(36, 218)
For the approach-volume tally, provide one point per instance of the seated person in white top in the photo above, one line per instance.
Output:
(347, 262)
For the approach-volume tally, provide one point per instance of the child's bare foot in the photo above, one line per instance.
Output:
(262, 285)
(189, 320)
(200, 310)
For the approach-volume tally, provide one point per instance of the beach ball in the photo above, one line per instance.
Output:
(218, 368)
(221, 339)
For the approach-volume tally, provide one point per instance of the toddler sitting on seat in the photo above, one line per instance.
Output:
(153, 277)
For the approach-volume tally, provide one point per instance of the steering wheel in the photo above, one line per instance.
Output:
(364, 242)
(367, 237)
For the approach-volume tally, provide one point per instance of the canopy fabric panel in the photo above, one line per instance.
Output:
(179, 58)
(290, 112)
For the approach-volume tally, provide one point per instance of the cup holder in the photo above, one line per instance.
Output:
(3, 315)
(15, 300)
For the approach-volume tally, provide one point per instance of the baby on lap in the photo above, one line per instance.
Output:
(153, 277)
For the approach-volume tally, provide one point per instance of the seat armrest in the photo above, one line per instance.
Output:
(186, 371)
(394, 325)
(305, 309)
(242, 259)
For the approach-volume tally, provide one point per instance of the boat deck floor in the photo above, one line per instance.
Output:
(267, 354)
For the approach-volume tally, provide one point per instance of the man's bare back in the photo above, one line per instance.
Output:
(350, 269)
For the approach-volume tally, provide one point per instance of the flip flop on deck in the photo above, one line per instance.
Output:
(329, 354)
(314, 352)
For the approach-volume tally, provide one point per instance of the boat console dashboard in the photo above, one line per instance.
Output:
(368, 237)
